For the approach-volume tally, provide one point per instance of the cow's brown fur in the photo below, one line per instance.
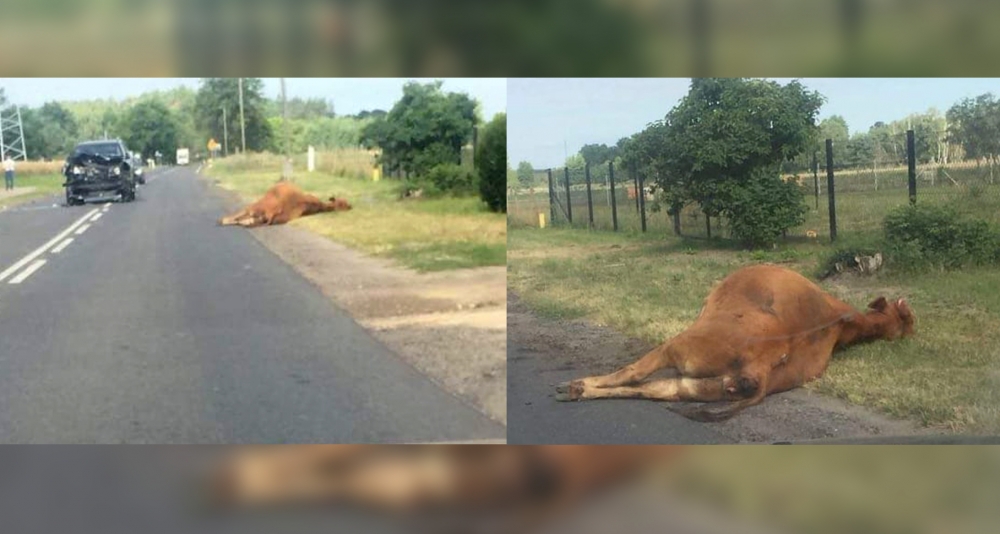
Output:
(763, 329)
(282, 203)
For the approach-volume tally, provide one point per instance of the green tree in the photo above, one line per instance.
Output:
(643, 152)
(319, 132)
(111, 123)
(722, 147)
(301, 108)
(425, 128)
(370, 114)
(218, 93)
(835, 128)
(50, 132)
(597, 154)
(149, 126)
(491, 163)
(525, 174)
(974, 123)
(94, 118)
(860, 151)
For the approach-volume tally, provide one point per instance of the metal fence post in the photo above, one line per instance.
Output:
(635, 183)
(552, 200)
(614, 202)
(569, 201)
(830, 190)
(911, 166)
(642, 199)
(590, 198)
(816, 178)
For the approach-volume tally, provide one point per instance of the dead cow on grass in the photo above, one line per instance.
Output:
(282, 203)
(764, 329)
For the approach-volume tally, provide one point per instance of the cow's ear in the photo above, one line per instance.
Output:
(904, 308)
(878, 304)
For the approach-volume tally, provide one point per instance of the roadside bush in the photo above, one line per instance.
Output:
(763, 207)
(491, 163)
(937, 236)
(447, 179)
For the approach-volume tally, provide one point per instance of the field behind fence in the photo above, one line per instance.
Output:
(862, 197)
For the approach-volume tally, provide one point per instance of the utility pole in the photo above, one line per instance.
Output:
(243, 130)
(286, 171)
(225, 133)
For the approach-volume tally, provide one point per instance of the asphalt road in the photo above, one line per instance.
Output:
(153, 325)
(534, 416)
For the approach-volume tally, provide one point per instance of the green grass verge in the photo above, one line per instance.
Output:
(423, 234)
(44, 185)
(652, 287)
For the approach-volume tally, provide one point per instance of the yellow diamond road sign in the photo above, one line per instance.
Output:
(213, 144)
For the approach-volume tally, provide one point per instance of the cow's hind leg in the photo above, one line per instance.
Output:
(632, 373)
(747, 389)
(231, 220)
(668, 389)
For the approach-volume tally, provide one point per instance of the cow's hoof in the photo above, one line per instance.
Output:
(569, 391)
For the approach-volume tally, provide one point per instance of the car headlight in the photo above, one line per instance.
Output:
(116, 171)
(76, 170)
(138, 172)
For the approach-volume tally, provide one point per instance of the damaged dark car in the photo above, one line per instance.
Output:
(99, 170)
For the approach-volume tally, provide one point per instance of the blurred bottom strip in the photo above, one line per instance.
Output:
(498, 488)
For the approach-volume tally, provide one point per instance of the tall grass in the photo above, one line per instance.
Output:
(38, 168)
(345, 162)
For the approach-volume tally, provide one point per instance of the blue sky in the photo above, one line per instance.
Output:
(350, 95)
(549, 118)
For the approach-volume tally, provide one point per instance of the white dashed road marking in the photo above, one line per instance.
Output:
(41, 250)
(27, 272)
(62, 245)
(82, 229)
(97, 216)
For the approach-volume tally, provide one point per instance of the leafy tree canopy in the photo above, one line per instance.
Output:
(722, 147)
(426, 127)
(525, 174)
(216, 94)
(151, 127)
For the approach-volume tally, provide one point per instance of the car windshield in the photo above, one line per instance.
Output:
(107, 150)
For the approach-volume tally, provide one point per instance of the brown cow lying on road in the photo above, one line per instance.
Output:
(281, 203)
(763, 329)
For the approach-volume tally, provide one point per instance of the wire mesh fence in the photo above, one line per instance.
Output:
(862, 195)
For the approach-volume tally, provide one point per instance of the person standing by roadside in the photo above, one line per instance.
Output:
(8, 173)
